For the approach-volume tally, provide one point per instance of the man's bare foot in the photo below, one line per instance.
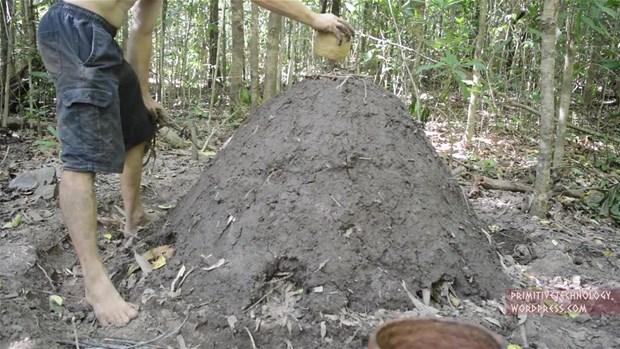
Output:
(109, 307)
(134, 225)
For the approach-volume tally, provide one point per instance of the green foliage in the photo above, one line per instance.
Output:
(605, 203)
(200, 110)
(488, 167)
(610, 205)
(419, 111)
(48, 143)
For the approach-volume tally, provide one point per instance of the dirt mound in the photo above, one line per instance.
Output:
(333, 190)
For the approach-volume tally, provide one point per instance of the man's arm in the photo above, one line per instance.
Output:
(140, 45)
(296, 10)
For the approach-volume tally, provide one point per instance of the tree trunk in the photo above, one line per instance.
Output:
(219, 50)
(336, 7)
(254, 72)
(214, 31)
(31, 44)
(238, 52)
(162, 57)
(273, 53)
(472, 110)
(4, 52)
(565, 96)
(7, 62)
(540, 199)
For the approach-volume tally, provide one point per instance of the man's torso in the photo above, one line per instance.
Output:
(114, 11)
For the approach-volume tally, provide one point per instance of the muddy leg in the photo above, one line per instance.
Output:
(79, 208)
(135, 216)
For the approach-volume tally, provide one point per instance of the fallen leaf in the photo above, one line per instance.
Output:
(143, 263)
(107, 236)
(208, 153)
(176, 279)
(55, 302)
(455, 301)
(132, 268)
(14, 223)
(493, 321)
(159, 262)
(164, 250)
(110, 222)
(608, 253)
(147, 294)
(573, 314)
(318, 289)
(513, 346)
(323, 329)
(56, 299)
(232, 320)
(219, 263)
(322, 265)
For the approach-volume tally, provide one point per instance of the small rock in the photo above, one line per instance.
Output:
(43, 181)
(26, 181)
(17, 259)
(47, 192)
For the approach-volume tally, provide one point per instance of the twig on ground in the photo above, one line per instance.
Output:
(47, 276)
(365, 91)
(422, 308)
(77, 340)
(165, 335)
(268, 293)
(181, 342)
(336, 201)
(5, 154)
(251, 338)
(345, 80)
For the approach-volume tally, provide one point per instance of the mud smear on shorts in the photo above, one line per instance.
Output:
(331, 186)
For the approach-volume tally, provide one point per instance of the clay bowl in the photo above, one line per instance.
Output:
(420, 333)
(326, 45)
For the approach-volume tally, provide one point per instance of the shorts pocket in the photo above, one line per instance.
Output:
(96, 97)
(94, 46)
(90, 130)
(50, 54)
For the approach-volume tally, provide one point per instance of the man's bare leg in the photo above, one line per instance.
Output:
(79, 208)
(135, 216)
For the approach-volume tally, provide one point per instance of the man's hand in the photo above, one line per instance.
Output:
(155, 109)
(327, 22)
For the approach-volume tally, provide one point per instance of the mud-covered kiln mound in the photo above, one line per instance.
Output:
(331, 184)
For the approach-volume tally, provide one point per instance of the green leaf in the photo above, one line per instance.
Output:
(426, 67)
(591, 24)
(611, 65)
(53, 131)
(535, 32)
(611, 12)
(56, 299)
(17, 220)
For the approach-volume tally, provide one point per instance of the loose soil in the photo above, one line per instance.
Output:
(327, 212)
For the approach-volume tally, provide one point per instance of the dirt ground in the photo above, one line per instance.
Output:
(301, 234)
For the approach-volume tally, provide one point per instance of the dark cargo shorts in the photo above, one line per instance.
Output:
(99, 104)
